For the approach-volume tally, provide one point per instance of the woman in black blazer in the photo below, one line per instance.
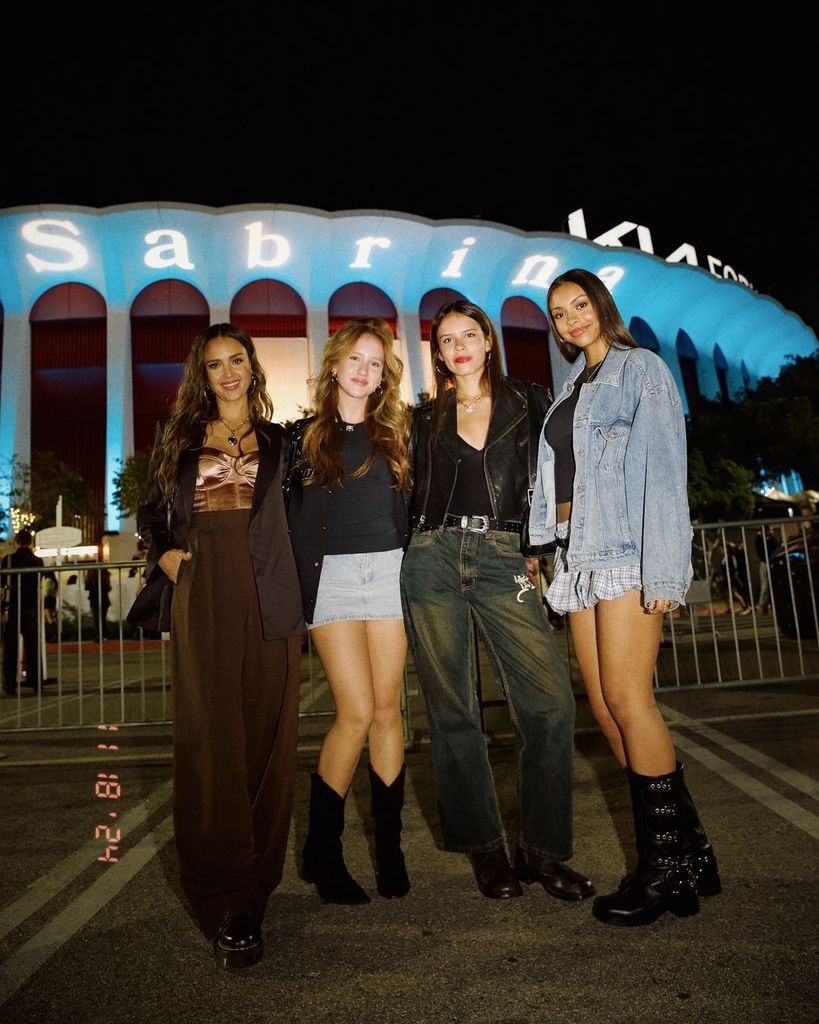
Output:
(215, 521)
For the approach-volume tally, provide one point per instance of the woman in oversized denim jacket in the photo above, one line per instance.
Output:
(611, 494)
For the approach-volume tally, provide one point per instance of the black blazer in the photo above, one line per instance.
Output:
(274, 567)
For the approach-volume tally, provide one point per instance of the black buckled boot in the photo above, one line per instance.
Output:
(322, 856)
(390, 867)
(663, 881)
(697, 851)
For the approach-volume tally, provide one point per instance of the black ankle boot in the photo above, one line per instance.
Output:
(697, 851)
(238, 942)
(663, 880)
(494, 874)
(322, 856)
(391, 870)
(557, 878)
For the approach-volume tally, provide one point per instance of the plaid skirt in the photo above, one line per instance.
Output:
(573, 591)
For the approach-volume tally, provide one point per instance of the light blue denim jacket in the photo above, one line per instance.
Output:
(630, 503)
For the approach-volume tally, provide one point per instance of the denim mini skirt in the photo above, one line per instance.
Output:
(360, 586)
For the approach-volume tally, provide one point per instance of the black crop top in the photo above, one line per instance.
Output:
(558, 432)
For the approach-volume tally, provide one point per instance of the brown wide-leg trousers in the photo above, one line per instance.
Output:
(235, 699)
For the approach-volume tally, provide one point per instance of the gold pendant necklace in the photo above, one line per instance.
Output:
(469, 402)
(232, 438)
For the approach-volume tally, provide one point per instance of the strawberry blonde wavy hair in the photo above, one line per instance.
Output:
(387, 416)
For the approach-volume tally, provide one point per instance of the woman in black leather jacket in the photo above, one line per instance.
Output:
(473, 451)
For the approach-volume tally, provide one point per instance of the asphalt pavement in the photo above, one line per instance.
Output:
(89, 937)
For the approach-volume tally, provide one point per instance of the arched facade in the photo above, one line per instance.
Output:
(288, 275)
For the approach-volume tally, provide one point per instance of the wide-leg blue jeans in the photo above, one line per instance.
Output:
(450, 579)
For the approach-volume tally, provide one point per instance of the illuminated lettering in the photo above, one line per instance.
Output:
(174, 253)
(257, 239)
(37, 233)
(644, 239)
(105, 746)
(106, 858)
(458, 256)
(610, 276)
(613, 235)
(547, 264)
(365, 247)
(577, 224)
(683, 253)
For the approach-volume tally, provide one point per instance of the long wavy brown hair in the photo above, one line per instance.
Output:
(195, 407)
(492, 377)
(611, 323)
(387, 416)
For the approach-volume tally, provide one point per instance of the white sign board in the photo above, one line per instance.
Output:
(59, 537)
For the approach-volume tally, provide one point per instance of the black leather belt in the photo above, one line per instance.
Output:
(475, 524)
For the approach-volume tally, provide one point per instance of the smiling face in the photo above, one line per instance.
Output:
(463, 347)
(361, 372)
(577, 322)
(228, 372)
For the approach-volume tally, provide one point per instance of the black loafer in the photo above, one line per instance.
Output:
(494, 874)
(238, 943)
(557, 878)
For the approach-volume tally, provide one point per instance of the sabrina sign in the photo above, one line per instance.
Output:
(58, 248)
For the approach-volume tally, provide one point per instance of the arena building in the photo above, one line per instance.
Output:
(98, 309)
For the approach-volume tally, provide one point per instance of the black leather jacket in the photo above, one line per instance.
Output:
(509, 458)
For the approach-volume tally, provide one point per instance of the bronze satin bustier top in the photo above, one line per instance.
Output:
(224, 482)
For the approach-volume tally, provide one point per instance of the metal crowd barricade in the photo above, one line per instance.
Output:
(104, 671)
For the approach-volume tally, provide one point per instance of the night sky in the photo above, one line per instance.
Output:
(702, 130)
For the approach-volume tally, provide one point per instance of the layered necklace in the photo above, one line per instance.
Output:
(232, 439)
(469, 402)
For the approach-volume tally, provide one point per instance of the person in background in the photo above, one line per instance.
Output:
(808, 508)
(98, 587)
(473, 459)
(20, 613)
(736, 570)
(765, 543)
(348, 522)
(611, 494)
(215, 522)
(49, 589)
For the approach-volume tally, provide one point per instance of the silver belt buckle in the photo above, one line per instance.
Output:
(467, 521)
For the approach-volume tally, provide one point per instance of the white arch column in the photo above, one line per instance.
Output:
(119, 418)
(15, 402)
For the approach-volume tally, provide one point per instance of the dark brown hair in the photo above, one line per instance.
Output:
(612, 328)
(445, 380)
(195, 407)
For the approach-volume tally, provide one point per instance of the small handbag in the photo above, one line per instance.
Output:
(152, 605)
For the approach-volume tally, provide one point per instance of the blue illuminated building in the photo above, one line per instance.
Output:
(98, 309)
